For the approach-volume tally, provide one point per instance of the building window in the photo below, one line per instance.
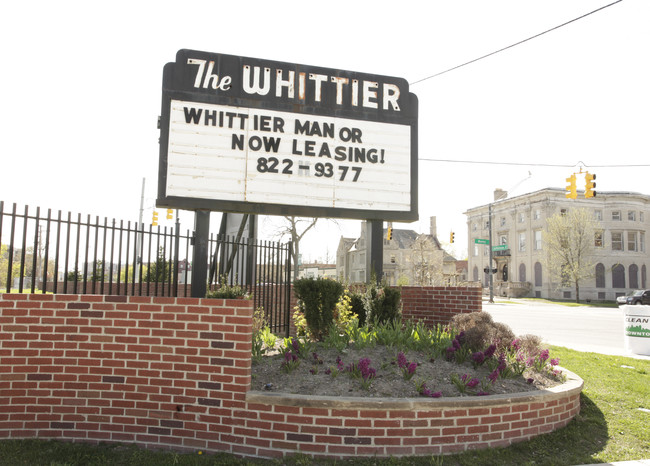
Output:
(522, 272)
(631, 241)
(522, 217)
(598, 215)
(617, 241)
(392, 259)
(598, 239)
(522, 242)
(562, 212)
(616, 215)
(537, 214)
(503, 239)
(502, 222)
(475, 250)
(487, 225)
(474, 226)
(631, 215)
(634, 276)
(538, 240)
(486, 249)
(641, 218)
(538, 274)
(618, 276)
(641, 241)
(600, 276)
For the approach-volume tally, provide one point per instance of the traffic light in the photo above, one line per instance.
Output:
(170, 214)
(590, 185)
(571, 187)
(154, 219)
(389, 233)
(451, 237)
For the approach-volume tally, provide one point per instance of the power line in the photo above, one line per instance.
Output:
(515, 44)
(552, 165)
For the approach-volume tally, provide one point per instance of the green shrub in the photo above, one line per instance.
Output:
(317, 300)
(382, 303)
(357, 307)
(228, 292)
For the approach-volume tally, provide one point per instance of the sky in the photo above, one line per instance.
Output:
(81, 94)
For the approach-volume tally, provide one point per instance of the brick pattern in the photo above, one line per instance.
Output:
(176, 373)
(437, 305)
(156, 371)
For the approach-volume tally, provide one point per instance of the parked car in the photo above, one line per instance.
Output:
(637, 297)
(623, 298)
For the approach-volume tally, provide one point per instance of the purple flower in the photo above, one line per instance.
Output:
(313, 371)
(411, 368)
(529, 381)
(455, 344)
(401, 360)
(482, 393)
(555, 361)
(494, 375)
(488, 353)
(543, 355)
(478, 358)
(473, 383)
(436, 395)
(328, 371)
(295, 345)
(516, 344)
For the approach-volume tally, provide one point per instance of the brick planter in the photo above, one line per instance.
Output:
(343, 427)
(176, 373)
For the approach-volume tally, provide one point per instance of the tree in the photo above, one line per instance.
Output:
(159, 271)
(569, 245)
(292, 229)
(427, 262)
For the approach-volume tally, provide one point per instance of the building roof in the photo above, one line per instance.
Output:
(557, 191)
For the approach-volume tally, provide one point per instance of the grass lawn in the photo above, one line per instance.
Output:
(612, 426)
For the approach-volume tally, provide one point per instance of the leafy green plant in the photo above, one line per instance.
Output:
(382, 303)
(226, 291)
(335, 338)
(317, 300)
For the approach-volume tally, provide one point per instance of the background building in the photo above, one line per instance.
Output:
(410, 258)
(620, 251)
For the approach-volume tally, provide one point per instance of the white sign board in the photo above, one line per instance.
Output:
(245, 153)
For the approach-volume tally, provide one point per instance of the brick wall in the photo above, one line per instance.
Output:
(437, 305)
(176, 373)
(156, 371)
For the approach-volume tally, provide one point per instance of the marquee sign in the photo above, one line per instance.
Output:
(256, 136)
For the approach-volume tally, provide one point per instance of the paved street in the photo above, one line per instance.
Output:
(583, 328)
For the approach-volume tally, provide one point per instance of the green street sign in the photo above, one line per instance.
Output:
(481, 241)
(500, 247)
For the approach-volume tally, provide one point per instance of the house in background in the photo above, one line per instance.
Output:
(410, 258)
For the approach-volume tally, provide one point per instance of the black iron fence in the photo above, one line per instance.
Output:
(53, 252)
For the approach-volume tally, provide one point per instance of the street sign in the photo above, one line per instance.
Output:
(481, 241)
(500, 247)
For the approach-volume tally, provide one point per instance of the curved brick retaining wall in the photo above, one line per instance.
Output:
(176, 373)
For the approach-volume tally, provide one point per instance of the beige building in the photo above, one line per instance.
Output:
(620, 252)
(410, 258)
(317, 270)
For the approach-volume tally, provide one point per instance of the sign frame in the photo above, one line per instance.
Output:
(223, 87)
